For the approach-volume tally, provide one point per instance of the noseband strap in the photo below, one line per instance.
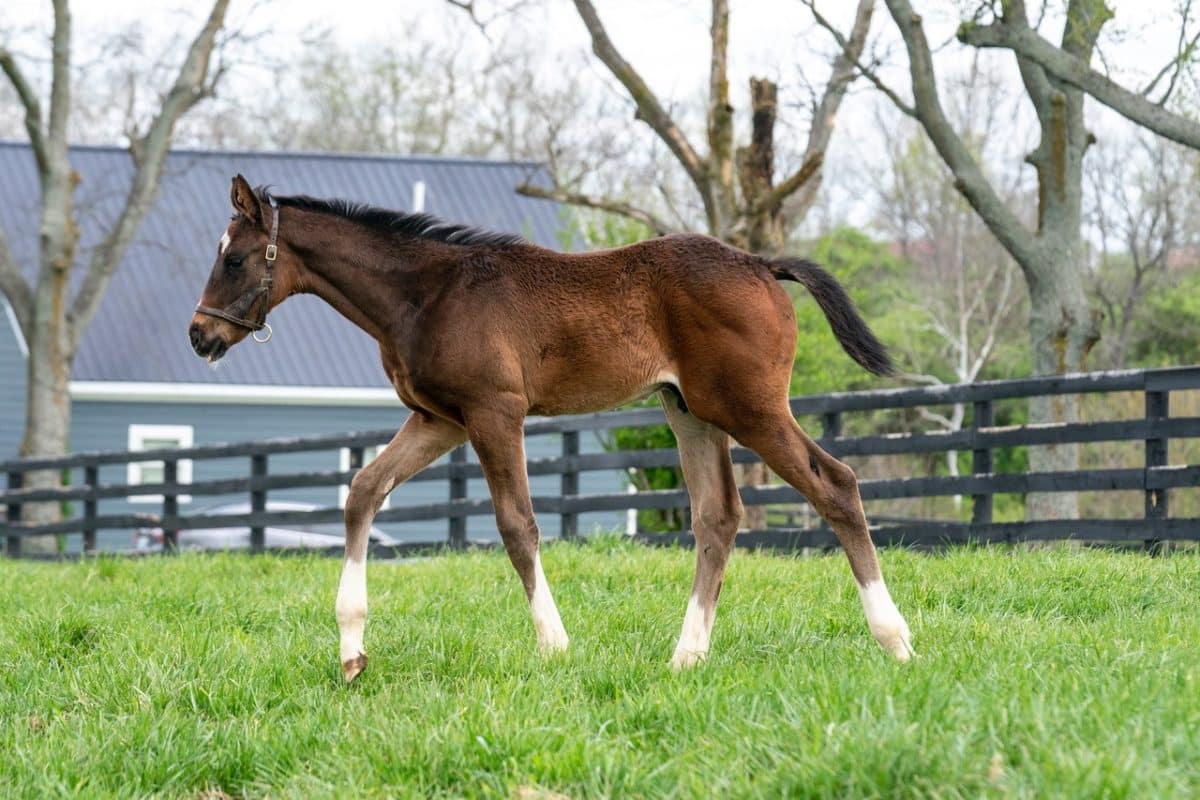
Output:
(238, 312)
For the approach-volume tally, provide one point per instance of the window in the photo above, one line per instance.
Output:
(369, 455)
(157, 437)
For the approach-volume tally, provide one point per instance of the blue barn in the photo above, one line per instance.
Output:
(137, 385)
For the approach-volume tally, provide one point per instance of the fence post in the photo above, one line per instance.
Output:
(258, 497)
(170, 507)
(570, 483)
(91, 477)
(12, 544)
(831, 425)
(1158, 406)
(458, 491)
(981, 464)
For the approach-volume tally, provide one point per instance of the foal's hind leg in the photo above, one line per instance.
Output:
(716, 511)
(498, 436)
(422, 439)
(832, 489)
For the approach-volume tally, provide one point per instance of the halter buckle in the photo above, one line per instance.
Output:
(272, 251)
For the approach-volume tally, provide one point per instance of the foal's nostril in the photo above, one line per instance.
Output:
(196, 337)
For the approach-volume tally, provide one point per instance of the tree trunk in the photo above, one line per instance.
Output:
(760, 232)
(1063, 328)
(48, 402)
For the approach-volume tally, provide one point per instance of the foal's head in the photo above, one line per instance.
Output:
(243, 285)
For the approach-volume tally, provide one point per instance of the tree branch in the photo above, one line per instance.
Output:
(720, 112)
(600, 203)
(968, 177)
(649, 109)
(14, 286)
(1185, 52)
(842, 74)
(933, 416)
(33, 107)
(919, 377)
(999, 312)
(1037, 85)
(468, 7)
(1026, 43)
(149, 154)
(864, 70)
(774, 199)
(60, 83)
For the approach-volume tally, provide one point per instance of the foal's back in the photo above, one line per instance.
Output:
(589, 331)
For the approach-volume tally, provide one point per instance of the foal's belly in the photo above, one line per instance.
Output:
(586, 390)
(587, 402)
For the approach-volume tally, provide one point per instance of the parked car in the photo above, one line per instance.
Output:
(317, 535)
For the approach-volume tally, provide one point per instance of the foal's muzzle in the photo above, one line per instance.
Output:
(210, 347)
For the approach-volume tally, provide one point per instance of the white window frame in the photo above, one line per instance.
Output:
(138, 434)
(369, 454)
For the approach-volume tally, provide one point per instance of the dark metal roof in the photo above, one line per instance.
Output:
(140, 331)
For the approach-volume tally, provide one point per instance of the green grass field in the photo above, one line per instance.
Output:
(1043, 673)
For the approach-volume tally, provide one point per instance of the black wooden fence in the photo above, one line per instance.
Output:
(1155, 477)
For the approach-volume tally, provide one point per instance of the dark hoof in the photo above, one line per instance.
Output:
(354, 667)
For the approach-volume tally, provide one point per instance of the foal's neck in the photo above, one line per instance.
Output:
(363, 275)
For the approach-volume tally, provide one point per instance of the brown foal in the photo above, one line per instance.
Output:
(478, 330)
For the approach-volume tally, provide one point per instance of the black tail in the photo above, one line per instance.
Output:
(848, 325)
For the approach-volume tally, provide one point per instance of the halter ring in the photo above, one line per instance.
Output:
(266, 327)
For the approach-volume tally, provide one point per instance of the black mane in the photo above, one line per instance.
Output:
(417, 226)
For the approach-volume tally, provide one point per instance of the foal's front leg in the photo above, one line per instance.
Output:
(498, 436)
(422, 439)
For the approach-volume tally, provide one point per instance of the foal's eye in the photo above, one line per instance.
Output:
(234, 262)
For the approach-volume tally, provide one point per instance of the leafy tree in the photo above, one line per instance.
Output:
(1168, 333)
(1064, 323)
(875, 280)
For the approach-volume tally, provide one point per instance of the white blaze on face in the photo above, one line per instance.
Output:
(887, 626)
(352, 608)
(224, 243)
(551, 634)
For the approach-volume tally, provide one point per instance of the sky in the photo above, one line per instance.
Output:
(666, 40)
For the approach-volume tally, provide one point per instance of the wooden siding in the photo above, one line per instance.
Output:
(12, 387)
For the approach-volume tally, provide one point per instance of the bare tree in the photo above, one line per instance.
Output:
(1069, 64)
(1141, 205)
(743, 200)
(968, 295)
(1064, 325)
(428, 94)
(52, 317)
(398, 96)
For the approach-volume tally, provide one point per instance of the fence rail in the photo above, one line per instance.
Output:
(1155, 478)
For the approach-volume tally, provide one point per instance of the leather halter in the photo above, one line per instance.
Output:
(238, 312)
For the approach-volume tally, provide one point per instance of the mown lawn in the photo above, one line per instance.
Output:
(1044, 673)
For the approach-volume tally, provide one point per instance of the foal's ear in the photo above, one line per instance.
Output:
(244, 200)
